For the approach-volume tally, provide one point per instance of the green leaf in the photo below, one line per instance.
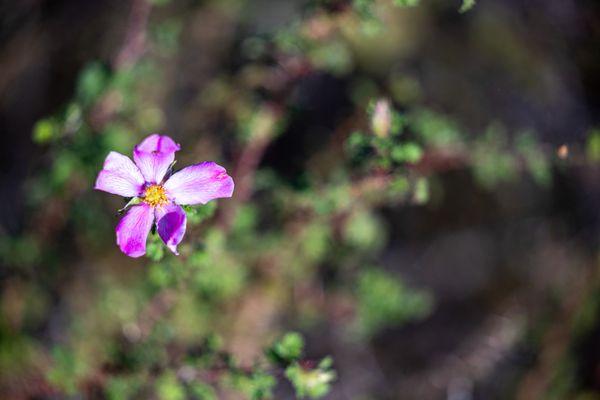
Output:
(289, 348)
(421, 191)
(197, 214)
(407, 3)
(364, 231)
(155, 249)
(168, 387)
(203, 391)
(159, 3)
(593, 145)
(256, 386)
(119, 388)
(67, 369)
(407, 153)
(467, 5)
(45, 130)
(313, 383)
(93, 80)
(384, 300)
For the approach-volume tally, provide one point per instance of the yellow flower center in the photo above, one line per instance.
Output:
(155, 195)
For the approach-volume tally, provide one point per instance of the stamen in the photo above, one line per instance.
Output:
(155, 195)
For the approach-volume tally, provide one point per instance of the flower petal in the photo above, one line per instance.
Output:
(154, 166)
(199, 183)
(154, 155)
(158, 143)
(171, 222)
(120, 176)
(132, 230)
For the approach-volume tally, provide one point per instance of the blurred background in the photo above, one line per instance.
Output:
(415, 213)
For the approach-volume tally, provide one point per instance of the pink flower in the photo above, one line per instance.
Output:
(160, 195)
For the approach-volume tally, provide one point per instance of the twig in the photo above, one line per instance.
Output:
(134, 43)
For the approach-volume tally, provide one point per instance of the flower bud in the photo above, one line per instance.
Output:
(381, 119)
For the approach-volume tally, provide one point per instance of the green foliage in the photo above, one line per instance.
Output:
(45, 130)
(391, 150)
(166, 35)
(313, 383)
(155, 248)
(245, 221)
(92, 83)
(217, 283)
(202, 391)
(168, 387)
(288, 349)
(406, 3)
(308, 382)
(421, 191)
(159, 2)
(384, 300)
(407, 153)
(467, 5)
(536, 162)
(68, 368)
(334, 57)
(496, 160)
(364, 7)
(18, 354)
(19, 251)
(565, 379)
(256, 386)
(198, 214)
(363, 230)
(119, 387)
(593, 145)
(435, 129)
(315, 241)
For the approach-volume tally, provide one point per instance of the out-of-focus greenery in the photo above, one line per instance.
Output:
(383, 300)
(164, 328)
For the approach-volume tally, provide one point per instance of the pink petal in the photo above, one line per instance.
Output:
(154, 155)
(154, 166)
(171, 222)
(199, 183)
(120, 176)
(158, 143)
(132, 230)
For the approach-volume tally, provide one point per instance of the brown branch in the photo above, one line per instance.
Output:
(134, 43)
(262, 133)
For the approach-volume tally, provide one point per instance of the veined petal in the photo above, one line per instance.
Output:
(132, 230)
(158, 143)
(153, 165)
(171, 222)
(199, 183)
(120, 176)
(154, 155)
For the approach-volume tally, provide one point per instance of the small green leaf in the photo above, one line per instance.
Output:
(313, 383)
(384, 300)
(203, 391)
(408, 152)
(466, 5)
(289, 348)
(45, 130)
(198, 214)
(93, 81)
(155, 250)
(421, 193)
(169, 388)
(593, 146)
(406, 3)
